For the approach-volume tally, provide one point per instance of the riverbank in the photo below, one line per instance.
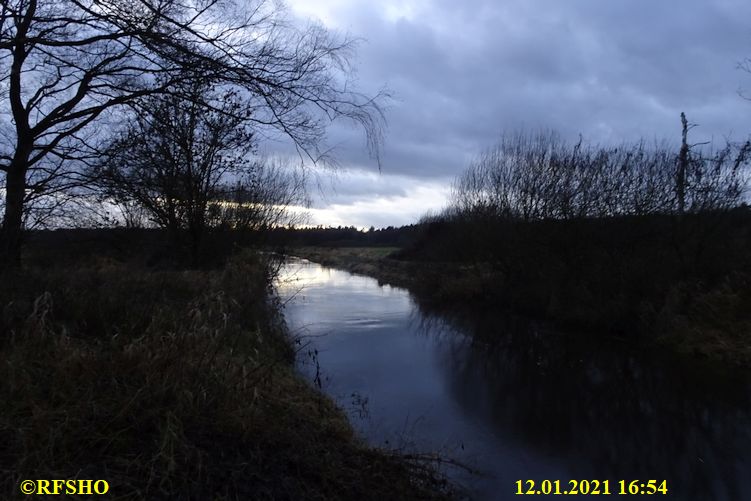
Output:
(709, 325)
(173, 383)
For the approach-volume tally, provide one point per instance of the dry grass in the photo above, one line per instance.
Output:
(172, 385)
(715, 324)
(345, 254)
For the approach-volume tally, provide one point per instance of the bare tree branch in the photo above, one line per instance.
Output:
(73, 63)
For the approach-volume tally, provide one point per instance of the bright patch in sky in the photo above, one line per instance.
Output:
(384, 210)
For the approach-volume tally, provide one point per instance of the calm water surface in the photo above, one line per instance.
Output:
(537, 405)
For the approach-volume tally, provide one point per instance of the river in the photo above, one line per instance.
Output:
(535, 405)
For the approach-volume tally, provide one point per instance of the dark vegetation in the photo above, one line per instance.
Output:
(169, 382)
(633, 277)
(646, 243)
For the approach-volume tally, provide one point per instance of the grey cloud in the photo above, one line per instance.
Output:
(345, 187)
(463, 72)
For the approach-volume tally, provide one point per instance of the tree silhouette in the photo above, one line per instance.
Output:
(68, 64)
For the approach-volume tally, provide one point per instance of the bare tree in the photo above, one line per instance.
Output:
(67, 64)
(186, 160)
(126, 211)
(269, 194)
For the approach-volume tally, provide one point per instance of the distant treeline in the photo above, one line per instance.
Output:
(157, 247)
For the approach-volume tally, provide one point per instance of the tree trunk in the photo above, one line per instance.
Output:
(10, 248)
(683, 159)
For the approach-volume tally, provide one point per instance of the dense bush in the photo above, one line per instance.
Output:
(540, 176)
(602, 238)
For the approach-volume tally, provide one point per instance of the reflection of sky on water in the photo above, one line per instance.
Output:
(536, 405)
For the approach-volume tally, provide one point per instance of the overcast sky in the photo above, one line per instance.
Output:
(462, 72)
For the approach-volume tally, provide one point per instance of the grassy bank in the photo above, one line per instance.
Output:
(172, 384)
(705, 320)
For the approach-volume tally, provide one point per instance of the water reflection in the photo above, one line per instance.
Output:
(533, 405)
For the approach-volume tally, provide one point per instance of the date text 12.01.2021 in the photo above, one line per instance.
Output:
(591, 487)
